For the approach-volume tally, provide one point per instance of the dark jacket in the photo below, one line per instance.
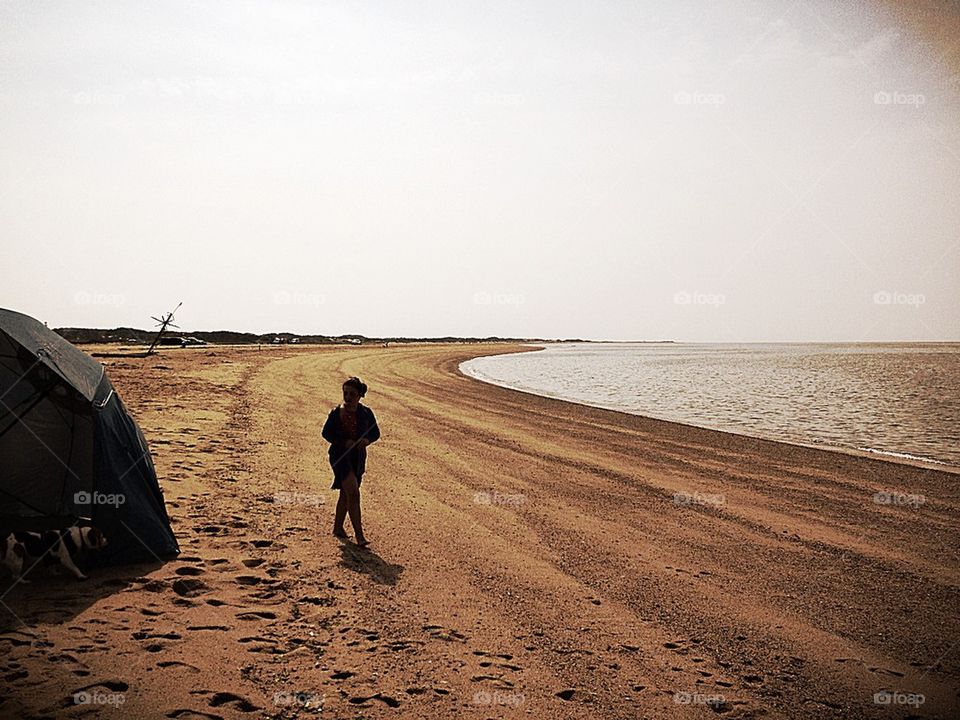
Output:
(366, 428)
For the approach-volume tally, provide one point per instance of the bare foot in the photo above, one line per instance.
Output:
(339, 533)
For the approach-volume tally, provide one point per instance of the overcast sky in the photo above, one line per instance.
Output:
(703, 171)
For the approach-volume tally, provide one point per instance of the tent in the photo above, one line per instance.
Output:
(70, 453)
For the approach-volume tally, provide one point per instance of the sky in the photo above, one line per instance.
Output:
(693, 171)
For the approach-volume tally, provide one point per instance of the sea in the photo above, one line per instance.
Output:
(897, 400)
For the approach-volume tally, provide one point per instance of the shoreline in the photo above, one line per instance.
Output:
(874, 454)
(531, 556)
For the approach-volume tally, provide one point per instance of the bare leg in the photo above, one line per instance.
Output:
(352, 490)
(340, 514)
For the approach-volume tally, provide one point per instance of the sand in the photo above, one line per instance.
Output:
(530, 557)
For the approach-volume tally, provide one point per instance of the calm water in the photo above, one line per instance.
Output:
(887, 398)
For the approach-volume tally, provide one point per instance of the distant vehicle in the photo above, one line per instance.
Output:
(182, 341)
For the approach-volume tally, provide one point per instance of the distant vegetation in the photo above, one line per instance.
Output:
(132, 336)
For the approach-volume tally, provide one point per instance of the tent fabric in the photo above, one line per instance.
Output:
(70, 452)
(78, 369)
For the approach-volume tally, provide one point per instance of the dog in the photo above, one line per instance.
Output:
(50, 547)
(13, 555)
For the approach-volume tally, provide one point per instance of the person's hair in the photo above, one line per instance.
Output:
(357, 384)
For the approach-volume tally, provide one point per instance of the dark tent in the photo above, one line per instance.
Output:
(70, 453)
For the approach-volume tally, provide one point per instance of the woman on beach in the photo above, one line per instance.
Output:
(349, 429)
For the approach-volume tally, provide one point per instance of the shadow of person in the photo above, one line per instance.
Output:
(364, 560)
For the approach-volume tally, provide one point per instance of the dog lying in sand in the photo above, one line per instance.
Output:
(19, 549)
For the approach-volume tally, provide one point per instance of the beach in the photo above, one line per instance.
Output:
(530, 557)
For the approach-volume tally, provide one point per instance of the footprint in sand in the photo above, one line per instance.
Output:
(214, 530)
(250, 580)
(438, 632)
(141, 635)
(233, 701)
(482, 678)
(189, 570)
(189, 587)
(16, 639)
(362, 700)
(176, 663)
(319, 601)
(194, 628)
(153, 586)
(260, 644)
(496, 657)
(401, 645)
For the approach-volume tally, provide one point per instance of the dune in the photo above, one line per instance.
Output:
(530, 557)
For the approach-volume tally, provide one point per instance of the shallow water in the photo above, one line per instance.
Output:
(896, 398)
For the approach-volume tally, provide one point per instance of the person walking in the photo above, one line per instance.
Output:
(349, 429)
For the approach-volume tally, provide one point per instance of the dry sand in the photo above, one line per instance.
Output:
(530, 557)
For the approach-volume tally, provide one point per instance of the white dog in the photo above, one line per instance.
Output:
(54, 546)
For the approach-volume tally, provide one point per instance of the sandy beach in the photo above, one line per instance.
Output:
(530, 557)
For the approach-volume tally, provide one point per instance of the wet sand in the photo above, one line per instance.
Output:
(530, 557)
